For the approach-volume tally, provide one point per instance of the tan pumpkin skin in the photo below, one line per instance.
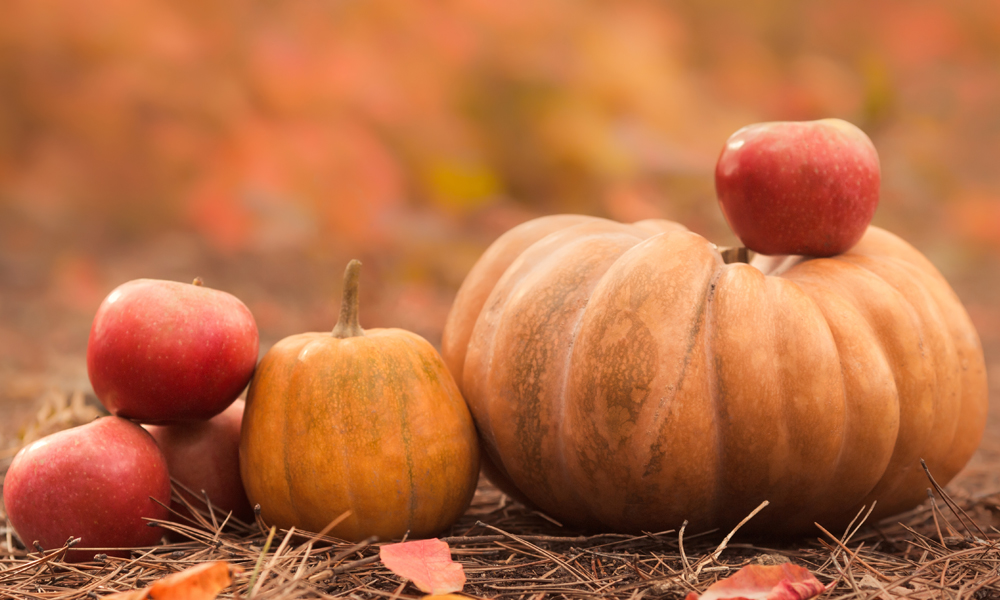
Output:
(373, 424)
(623, 377)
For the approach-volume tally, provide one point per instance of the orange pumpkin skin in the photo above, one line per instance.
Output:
(624, 377)
(373, 424)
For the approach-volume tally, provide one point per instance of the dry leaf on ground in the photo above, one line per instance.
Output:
(764, 582)
(200, 582)
(427, 563)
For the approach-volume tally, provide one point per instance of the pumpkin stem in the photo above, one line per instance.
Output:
(735, 254)
(348, 325)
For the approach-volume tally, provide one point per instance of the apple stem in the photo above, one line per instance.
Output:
(740, 254)
(347, 324)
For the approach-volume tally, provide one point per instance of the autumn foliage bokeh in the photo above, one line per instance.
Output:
(262, 144)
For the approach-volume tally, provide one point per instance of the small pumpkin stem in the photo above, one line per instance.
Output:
(348, 325)
(735, 254)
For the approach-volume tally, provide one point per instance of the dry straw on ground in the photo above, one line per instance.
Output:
(946, 548)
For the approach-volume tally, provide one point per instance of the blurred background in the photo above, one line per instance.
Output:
(261, 144)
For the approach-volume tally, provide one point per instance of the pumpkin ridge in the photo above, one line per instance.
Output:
(915, 407)
(381, 358)
(732, 494)
(712, 360)
(364, 360)
(714, 394)
(268, 487)
(968, 349)
(972, 370)
(439, 370)
(700, 319)
(859, 327)
(780, 332)
(517, 268)
(552, 357)
(769, 414)
(692, 340)
(561, 401)
(568, 362)
(265, 369)
(608, 371)
(848, 421)
(285, 458)
(472, 295)
(931, 320)
(918, 319)
(428, 376)
(849, 416)
(429, 372)
(347, 378)
(292, 383)
(391, 362)
(797, 318)
(299, 391)
(533, 270)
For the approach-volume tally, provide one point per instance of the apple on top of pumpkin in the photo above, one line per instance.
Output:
(798, 187)
(364, 429)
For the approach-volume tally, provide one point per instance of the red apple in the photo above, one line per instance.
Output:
(96, 482)
(163, 351)
(792, 187)
(205, 455)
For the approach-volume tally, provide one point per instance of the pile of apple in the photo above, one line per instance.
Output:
(174, 357)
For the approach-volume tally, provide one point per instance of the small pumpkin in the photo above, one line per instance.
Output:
(366, 421)
(627, 377)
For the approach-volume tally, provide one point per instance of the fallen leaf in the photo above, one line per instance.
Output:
(200, 582)
(764, 582)
(129, 595)
(427, 563)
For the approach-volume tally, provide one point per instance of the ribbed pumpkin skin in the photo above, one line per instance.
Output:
(373, 424)
(623, 377)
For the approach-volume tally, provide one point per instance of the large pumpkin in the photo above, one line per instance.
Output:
(626, 377)
(366, 421)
